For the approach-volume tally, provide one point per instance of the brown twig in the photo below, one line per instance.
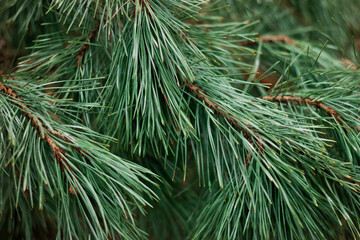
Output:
(201, 94)
(86, 46)
(81, 151)
(311, 102)
(58, 152)
(248, 133)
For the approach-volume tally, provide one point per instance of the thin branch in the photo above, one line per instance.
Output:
(318, 104)
(81, 151)
(201, 94)
(58, 152)
(311, 102)
(286, 39)
(249, 134)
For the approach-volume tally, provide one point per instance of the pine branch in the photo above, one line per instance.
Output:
(288, 40)
(105, 213)
(311, 102)
(249, 134)
(281, 173)
(201, 94)
(59, 153)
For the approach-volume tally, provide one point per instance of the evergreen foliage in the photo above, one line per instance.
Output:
(167, 119)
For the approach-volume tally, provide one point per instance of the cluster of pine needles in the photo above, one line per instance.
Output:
(167, 119)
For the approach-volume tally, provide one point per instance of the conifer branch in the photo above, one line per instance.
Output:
(249, 134)
(286, 39)
(311, 102)
(201, 94)
(276, 173)
(319, 105)
(58, 152)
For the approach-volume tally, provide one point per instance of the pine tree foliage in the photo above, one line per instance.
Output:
(49, 165)
(165, 119)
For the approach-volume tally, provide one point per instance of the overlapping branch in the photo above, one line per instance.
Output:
(311, 102)
(38, 124)
(248, 133)
(286, 39)
(285, 99)
(58, 152)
